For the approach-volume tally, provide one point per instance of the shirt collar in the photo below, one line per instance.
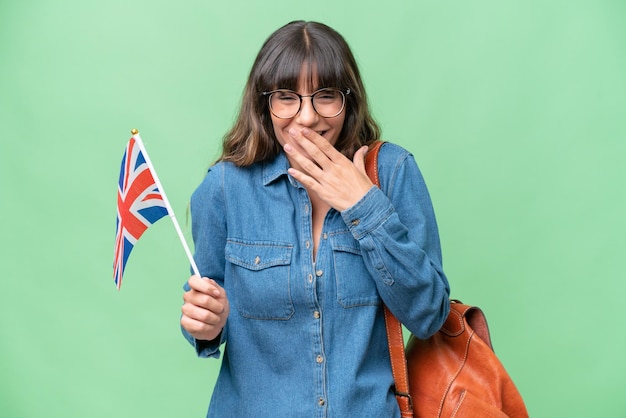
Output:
(275, 168)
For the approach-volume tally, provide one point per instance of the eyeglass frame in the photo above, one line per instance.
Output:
(344, 93)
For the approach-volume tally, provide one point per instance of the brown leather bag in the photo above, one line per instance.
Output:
(454, 373)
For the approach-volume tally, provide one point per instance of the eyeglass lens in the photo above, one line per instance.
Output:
(327, 102)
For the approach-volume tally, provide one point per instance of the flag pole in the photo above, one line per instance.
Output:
(170, 211)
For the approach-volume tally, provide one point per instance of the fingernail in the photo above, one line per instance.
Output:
(306, 131)
(293, 132)
(288, 148)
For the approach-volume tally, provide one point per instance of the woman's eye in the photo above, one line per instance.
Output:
(287, 97)
(326, 96)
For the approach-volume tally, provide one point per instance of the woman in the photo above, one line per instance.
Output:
(299, 251)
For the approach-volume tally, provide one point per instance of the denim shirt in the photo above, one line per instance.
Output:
(305, 337)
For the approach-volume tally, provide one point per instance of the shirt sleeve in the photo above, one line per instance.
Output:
(208, 226)
(399, 241)
(206, 349)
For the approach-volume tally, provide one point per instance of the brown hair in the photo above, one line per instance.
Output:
(328, 62)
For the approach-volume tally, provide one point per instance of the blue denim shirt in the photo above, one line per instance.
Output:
(307, 338)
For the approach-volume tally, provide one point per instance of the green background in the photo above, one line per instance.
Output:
(513, 109)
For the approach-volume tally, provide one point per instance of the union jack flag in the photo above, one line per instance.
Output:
(139, 204)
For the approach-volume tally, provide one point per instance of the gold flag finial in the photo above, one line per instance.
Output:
(134, 131)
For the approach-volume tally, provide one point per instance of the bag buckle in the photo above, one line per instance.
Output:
(404, 395)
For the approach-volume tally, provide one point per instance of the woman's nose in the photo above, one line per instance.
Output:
(307, 115)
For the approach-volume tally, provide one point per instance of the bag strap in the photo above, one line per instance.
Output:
(394, 327)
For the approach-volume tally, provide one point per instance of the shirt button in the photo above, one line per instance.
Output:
(319, 273)
(316, 315)
(319, 359)
(325, 235)
(307, 244)
(310, 278)
(306, 209)
(355, 222)
(321, 402)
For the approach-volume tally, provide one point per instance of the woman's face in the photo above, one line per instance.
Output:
(307, 117)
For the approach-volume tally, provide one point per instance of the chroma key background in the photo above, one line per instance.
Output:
(514, 111)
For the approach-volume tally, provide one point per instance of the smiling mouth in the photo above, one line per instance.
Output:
(321, 133)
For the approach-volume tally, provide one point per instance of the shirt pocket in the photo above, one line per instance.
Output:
(355, 285)
(260, 272)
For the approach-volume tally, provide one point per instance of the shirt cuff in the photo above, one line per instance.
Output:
(206, 349)
(368, 213)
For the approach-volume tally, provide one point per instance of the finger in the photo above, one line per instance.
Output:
(321, 143)
(192, 325)
(317, 147)
(204, 285)
(309, 167)
(197, 313)
(359, 158)
(309, 182)
(198, 329)
(204, 301)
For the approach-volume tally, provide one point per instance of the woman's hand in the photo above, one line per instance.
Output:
(326, 172)
(205, 310)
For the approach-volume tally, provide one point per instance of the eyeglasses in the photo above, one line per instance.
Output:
(327, 102)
